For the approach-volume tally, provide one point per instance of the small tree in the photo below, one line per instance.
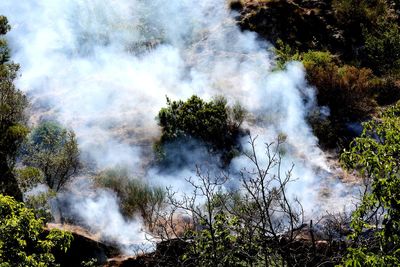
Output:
(213, 123)
(382, 48)
(23, 241)
(257, 225)
(376, 156)
(12, 117)
(55, 152)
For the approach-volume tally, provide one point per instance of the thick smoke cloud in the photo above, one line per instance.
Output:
(104, 68)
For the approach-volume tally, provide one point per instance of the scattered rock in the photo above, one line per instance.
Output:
(305, 24)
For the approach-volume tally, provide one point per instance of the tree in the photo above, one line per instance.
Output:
(23, 240)
(53, 150)
(213, 123)
(12, 117)
(376, 156)
(382, 48)
(258, 224)
(356, 16)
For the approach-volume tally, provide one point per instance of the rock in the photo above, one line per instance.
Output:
(303, 24)
(167, 253)
(84, 247)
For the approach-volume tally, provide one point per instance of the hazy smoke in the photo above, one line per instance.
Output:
(104, 68)
(98, 210)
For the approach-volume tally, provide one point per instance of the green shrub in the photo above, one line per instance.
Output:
(321, 59)
(375, 155)
(349, 92)
(23, 241)
(135, 195)
(12, 117)
(382, 49)
(213, 123)
(53, 150)
(346, 90)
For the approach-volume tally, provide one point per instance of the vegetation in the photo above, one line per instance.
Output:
(136, 196)
(258, 224)
(376, 156)
(349, 92)
(23, 240)
(213, 123)
(12, 117)
(54, 151)
(350, 50)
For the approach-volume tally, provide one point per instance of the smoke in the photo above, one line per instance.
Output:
(98, 210)
(103, 68)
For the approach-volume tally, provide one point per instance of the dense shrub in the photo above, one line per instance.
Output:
(355, 16)
(346, 90)
(23, 241)
(136, 196)
(361, 12)
(53, 150)
(388, 90)
(382, 49)
(375, 155)
(31, 181)
(213, 123)
(12, 117)
(349, 92)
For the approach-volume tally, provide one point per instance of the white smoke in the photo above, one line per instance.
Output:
(98, 210)
(104, 68)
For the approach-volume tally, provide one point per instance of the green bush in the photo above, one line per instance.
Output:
(349, 92)
(28, 178)
(12, 117)
(382, 49)
(135, 195)
(23, 241)
(53, 150)
(346, 90)
(213, 123)
(375, 155)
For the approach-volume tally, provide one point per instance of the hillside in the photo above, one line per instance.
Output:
(200, 133)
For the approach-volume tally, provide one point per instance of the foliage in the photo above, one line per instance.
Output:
(346, 90)
(53, 150)
(349, 92)
(361, 12)
(210, 246)
(376, 156)
(23, 241)
(90, 263)
(284, 53)
(4, 50)
(356, 16)
(39, 203)
(135, 195)
(36, 196)
(388, 90)
(213, 123)
(382, 48)
(12, 117)
(28, 178)
(256, 225)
